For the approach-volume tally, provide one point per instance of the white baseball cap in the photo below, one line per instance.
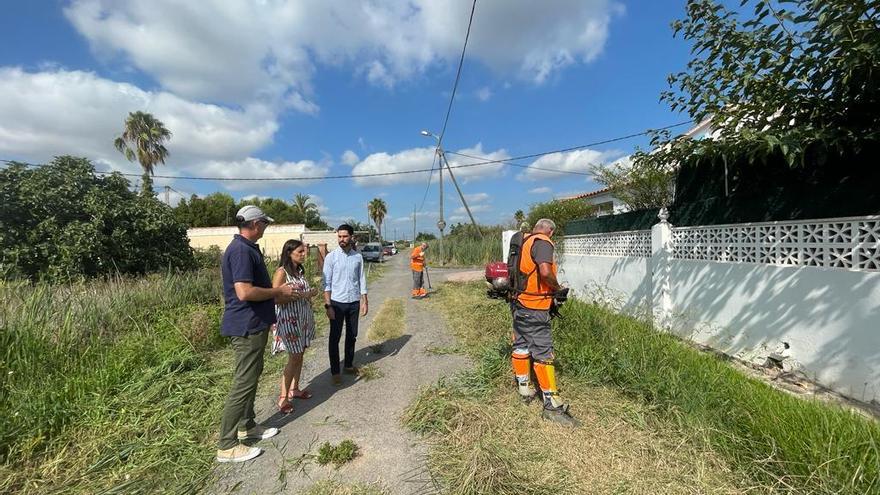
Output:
(251, 212)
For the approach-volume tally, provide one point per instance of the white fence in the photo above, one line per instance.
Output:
(746, 289)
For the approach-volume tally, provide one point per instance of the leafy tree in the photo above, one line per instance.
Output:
(61, 221)
(798, 78)
(561, 211)
(143, 139)
(425, 236)
(377, 210)
(649, 184)
(303, 205)
(519, 217)
(214, 210)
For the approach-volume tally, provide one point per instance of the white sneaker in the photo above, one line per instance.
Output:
(239, 453)
(257, 433)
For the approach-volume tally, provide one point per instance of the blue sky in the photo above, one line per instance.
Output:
(311, 88)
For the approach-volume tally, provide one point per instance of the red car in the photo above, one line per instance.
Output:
(386, 251)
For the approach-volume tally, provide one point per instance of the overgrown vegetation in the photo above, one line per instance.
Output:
(61, 222)
(388, 323)
(219, 209)
(560, 211)
(781, 80)
(465, 250)
(664, 398)
(337, 454)
(110, 385)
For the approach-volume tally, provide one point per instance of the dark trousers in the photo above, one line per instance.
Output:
(238, 413)
(349, 314)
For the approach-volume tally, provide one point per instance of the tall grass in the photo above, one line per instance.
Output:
(784, 443)
(796, 444)
(465, 251)
(109, 383)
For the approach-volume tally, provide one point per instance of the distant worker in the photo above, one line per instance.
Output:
(417, 264)
(532, 340)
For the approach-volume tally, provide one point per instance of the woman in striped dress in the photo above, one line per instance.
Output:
(295, 326)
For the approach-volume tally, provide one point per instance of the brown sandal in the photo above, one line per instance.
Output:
(300, 394)
(284, 405)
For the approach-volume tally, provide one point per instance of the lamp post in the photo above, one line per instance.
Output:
(443, 160)
(441, 223)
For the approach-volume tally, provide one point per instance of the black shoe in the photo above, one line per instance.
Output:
(560, 416)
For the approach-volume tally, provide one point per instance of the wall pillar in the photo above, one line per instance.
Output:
(661, 253)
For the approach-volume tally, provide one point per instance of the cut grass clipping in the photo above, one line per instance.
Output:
(658, 417)
(337, 455)
(369, 372)
(331, 487)
(388, 323)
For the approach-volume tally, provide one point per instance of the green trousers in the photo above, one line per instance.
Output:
(238, 413)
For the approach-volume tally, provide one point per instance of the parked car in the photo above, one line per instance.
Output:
(387, 251)
(391, 248)
(372, 251)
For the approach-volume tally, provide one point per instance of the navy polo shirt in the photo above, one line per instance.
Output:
(243, 262)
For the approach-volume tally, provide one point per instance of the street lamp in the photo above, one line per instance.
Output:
(441, 224)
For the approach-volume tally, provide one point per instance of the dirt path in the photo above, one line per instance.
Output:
(367, 412)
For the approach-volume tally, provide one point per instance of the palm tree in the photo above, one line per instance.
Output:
(303, 207)
(143, 139)
(377, 209)
(519, 217)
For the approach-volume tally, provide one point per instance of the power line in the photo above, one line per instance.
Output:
(485, 161)
(467, 35)
(428, 186)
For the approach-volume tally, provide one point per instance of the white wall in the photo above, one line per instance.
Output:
(745, 289)
(829, 317)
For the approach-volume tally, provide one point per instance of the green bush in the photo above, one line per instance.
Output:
(560, 211)
(60, 222)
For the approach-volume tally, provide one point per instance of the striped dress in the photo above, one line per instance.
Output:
(295, 327)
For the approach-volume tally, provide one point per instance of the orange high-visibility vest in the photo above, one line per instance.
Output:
(417, 259)
(536, 294)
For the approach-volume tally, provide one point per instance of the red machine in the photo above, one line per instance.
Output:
(497, 279)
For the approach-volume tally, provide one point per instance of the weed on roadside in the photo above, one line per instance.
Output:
(332, 487)
(388, 323)
(337, 454)
(369, 372)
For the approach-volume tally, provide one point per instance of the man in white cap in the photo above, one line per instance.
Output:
(248, 314)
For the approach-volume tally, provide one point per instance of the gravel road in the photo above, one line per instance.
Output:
(365, 411)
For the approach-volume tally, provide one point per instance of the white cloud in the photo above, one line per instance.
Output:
(261, 169)
(571, 161)
(540, 190)
(74, 112)
(484, 93)
(474, 209)
(421, 159)
(350, 158)
(477, 197)
(240, 52)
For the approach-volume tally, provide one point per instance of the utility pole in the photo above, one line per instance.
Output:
(414, 225)
(168, 195)
(460, 195)
(441, 224)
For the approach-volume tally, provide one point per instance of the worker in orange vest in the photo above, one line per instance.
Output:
(417, 264)
(532, 340)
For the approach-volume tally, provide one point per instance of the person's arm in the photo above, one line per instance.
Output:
(279, 279)
(242, 267)
(363, 285)
(328, 284)
(545, 270)
(246, 291)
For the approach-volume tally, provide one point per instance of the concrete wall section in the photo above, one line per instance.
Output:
(271, 243)
(829, 317)
(621, 282)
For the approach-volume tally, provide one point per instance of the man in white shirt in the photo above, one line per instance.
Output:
(345, 296)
